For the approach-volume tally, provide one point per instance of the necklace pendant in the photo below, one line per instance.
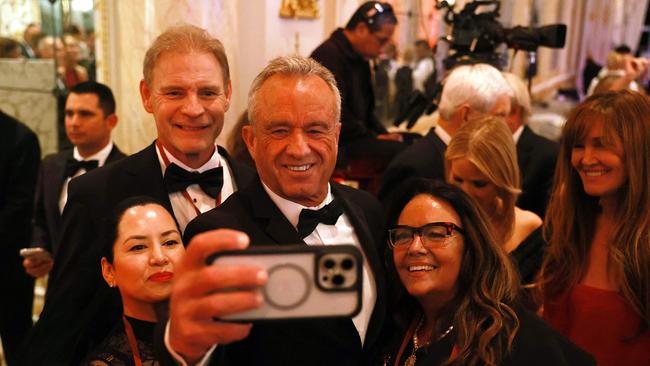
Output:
(410, 361)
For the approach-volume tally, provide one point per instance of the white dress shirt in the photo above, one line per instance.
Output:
(184, 211)
(442, 134)
(100, 156)
(340, 233)
(517, 134)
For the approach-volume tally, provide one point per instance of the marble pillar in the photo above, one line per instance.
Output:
(26, 94)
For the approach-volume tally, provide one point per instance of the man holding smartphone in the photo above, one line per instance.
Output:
(294, 109)
(89, 120)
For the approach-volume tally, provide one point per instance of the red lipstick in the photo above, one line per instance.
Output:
(161, 276)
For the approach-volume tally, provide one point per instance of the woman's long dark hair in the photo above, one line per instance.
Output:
(481, 310)
(572, 213)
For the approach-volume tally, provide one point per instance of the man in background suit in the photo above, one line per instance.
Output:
(89, 119)
(469, 92)
(30, 36)
(346, 53)
(536, 155)
(187, 88)
(20, 155)
(294, 109)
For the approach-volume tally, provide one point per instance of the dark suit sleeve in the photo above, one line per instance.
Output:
(21, 174)
(393, 176)
(80, 309)
(548, 171)
(40, 234)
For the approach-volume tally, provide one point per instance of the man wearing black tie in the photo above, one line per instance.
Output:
(89, 119)
(187, 89)
(294, 109)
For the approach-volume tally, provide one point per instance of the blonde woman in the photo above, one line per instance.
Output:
(481, 160)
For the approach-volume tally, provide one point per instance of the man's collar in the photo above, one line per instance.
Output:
(442, 134)
(100, 156)
(517, 134)
(213, 162)
(290, 209)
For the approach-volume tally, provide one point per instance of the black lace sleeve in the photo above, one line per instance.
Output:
(116, 351)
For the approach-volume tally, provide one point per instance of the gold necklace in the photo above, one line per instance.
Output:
(412, 359)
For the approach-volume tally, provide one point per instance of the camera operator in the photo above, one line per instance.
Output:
(346, 55)
(469, 92)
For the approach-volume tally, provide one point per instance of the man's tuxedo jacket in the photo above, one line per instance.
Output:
(314, 342)
(536, 156)
(47, 216)
(20, 156)
(424, 159)
(81, 309)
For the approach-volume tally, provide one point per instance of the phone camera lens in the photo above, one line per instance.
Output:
(329, 263)
(338, 280)
(347, 264)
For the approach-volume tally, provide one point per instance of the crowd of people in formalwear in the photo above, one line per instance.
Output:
(487, 244)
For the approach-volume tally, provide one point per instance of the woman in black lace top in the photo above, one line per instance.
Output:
(140, 265)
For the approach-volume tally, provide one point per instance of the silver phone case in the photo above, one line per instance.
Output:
(300, 285)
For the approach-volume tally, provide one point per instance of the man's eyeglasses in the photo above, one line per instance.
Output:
(433, 235)
(381, 40)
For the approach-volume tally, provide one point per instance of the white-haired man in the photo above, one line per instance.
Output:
(469, 92)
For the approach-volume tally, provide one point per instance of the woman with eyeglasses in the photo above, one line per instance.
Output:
(595, 280)
(481, 159)
(454, 289)
(140, 265)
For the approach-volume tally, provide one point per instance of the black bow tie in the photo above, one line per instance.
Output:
(309, 219)
(178, 179)
(72, 166)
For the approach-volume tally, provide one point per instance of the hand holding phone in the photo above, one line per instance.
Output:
(303, 281)
(38, 261)
(200, 293)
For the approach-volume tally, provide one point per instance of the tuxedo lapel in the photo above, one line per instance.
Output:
(53, 191)
(367, 240)
(242, 174)
(358, 219)
(144, 176)
(114, 155)
(269, 216)
(524, 148)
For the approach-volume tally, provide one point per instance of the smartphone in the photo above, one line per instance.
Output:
(305, 282)
(35, 253)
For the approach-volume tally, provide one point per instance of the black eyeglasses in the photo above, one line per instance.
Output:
(434, 234)
(375, 10)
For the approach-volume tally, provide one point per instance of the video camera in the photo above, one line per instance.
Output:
(475, 38)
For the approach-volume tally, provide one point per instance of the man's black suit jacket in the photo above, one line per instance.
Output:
(536, 156)
(51, 177)
(81, 309)
(315, 342)
(20, 155)
(424, 159)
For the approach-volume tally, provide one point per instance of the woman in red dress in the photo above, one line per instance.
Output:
(595, 280)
